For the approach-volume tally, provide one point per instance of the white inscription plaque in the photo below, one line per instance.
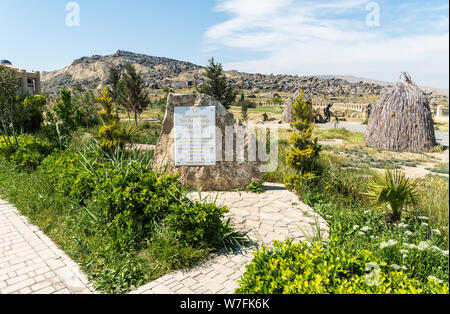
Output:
(195, 136)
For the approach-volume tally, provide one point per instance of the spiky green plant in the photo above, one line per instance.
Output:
(394, 189)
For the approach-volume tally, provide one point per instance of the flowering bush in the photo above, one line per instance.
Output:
(27, 154)
(300, 269)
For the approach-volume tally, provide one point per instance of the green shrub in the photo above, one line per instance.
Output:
(123, 274)
(135, 197)
(28, 154)
(196, 222)
(30, 113)
(170, 254)
(299, 269)
(395, 189)
(255, 187)
(65, 170)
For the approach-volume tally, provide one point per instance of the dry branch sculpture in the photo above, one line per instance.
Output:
(402, 120)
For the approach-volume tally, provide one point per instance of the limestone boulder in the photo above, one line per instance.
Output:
(288, 115)
(226, 175)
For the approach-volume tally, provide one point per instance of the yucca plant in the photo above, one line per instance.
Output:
(394, 189)
(128, 133)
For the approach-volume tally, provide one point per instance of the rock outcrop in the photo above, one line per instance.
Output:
(92, 72)
(225, 175)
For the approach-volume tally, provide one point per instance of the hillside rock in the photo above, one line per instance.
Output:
(92, 72)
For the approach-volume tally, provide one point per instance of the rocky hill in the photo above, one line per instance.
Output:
(92, 72)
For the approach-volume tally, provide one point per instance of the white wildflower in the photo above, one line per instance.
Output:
(409, 233)
(445, 253)
(404, 268)
(387, 244)
(410, 246)
(424, 224)
(355, 227)
(432, 278)
(366, 228)
(423, 246)
(361, 233)
(424, 218)
(404, 251)
(395, 267)
(437, 231)
(435, 248)
(402, 225)
(374, 237)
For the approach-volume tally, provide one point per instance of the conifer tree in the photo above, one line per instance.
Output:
(304, 150)
(108, 132)
(244, 108)
(217, 85)
(136, 97)
(114, 79)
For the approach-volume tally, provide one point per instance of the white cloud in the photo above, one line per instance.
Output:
(305, 38)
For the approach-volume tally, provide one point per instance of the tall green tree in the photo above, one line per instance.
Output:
(217, 85)
(84, 101)
(244, 108)
(136, 97)
(114, 79)
(9, 85)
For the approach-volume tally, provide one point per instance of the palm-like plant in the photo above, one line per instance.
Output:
(128, 133)
(395, 189)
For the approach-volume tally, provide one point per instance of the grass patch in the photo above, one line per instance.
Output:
(440, 169)
(340, 134)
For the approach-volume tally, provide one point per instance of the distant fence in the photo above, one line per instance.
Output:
(271, 104)
(350, 106)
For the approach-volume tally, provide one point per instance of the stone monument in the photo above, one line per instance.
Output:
(202, 142)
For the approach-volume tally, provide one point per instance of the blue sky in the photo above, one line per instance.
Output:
(374, 39)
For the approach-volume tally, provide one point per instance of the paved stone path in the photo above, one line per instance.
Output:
(276, 214)
(31, 263)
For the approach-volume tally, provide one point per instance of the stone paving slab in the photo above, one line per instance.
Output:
(31, 263)
(276, 214)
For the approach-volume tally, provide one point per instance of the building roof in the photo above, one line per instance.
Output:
(5, 62)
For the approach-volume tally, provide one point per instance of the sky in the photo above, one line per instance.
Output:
(370, 39)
